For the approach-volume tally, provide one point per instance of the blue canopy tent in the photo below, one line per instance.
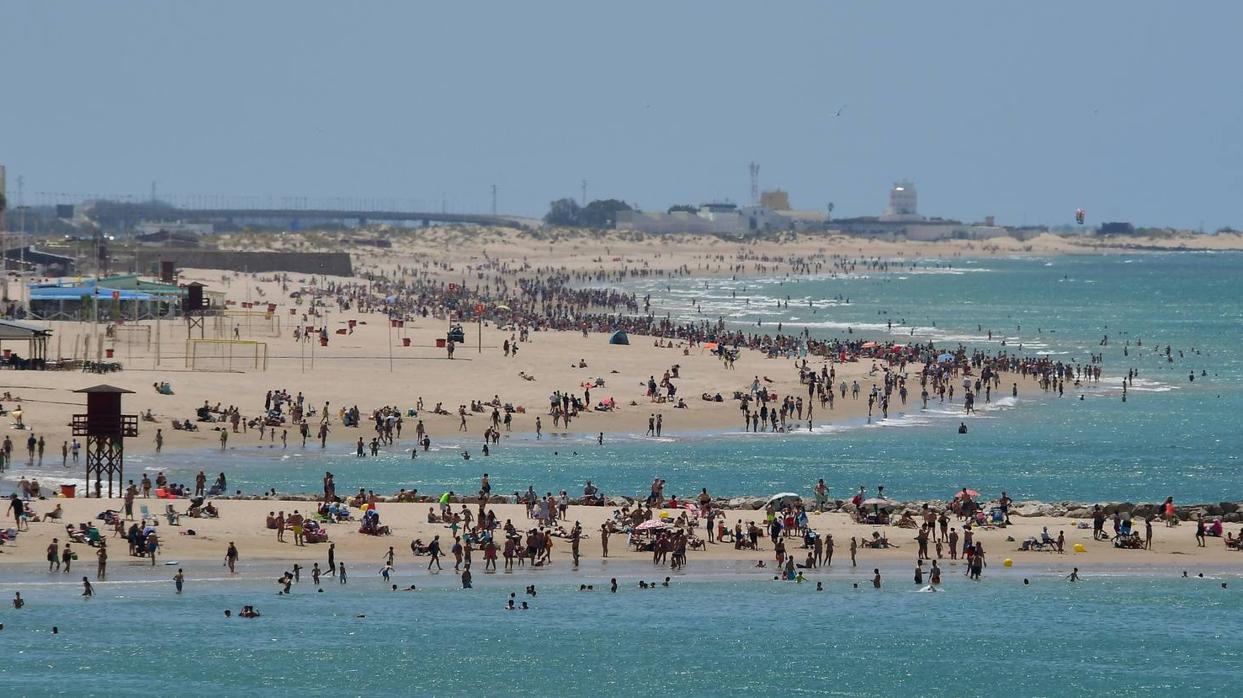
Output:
(619, 337)
(77, 301)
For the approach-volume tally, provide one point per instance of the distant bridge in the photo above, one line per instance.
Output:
(109, 215)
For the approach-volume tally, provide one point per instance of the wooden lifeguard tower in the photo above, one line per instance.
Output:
(105, 429)
(194, 307)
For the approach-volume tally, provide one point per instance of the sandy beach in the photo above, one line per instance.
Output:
(370, 364)
(243, 522)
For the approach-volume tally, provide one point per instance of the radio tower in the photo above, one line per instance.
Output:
(755, 184)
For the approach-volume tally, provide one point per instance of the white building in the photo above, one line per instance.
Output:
(903, 203)
(722, 218)
(149, 227)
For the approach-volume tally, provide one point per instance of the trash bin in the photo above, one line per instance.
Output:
(108, 353)
(405, 341)
(67, 491)
(440, 344)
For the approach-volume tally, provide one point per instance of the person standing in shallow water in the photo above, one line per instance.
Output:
(231, 557)
(433, 550)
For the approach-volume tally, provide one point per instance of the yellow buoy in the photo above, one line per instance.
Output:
(1079, 548)
(1008, 563)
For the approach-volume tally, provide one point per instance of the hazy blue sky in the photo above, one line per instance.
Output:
(1132, 110)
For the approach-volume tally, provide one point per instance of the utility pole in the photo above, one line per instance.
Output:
(21, 181)
(4, 238)
(21, 224)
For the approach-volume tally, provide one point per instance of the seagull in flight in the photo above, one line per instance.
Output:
(839, 110)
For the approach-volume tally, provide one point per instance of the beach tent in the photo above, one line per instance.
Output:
(619, 337)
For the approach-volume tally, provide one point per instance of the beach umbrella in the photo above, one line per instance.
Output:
(945, 357)
(654, 524)
(869, 345)
(501, 307)
(782, 498)
(966, 493)
(879, 503)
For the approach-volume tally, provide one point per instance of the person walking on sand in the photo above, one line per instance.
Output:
(231, 557)
(101, 565)
(854, 548)
(18, 507)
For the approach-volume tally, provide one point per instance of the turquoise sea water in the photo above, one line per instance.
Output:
(1171, 437)
(707, 634)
